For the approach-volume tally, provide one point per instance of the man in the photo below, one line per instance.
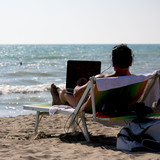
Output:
(121, 60)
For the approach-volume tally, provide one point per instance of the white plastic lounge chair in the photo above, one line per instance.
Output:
(140, 88)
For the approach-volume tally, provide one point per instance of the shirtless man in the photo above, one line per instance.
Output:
(121, 60)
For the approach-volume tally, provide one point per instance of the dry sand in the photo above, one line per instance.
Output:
(17, 141)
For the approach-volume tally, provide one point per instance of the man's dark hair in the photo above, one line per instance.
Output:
(122, 56)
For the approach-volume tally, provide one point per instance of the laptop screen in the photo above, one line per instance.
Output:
(79, 69)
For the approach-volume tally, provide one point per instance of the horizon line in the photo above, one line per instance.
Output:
(78, 43)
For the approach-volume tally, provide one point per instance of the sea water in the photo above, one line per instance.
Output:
(27, 71)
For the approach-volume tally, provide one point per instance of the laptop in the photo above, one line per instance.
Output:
(77, 69)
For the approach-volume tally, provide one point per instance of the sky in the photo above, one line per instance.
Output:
(79, 21)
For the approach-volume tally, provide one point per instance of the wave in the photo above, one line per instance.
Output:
(28, 73)
(8, 89)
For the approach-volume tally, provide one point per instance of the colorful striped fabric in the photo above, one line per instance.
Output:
(130, 94)
(100, 115)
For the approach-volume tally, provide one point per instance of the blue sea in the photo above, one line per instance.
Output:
(28, 70)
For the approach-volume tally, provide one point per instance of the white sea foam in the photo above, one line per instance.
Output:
(8, 89)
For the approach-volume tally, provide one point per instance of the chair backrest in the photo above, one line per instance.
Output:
(124, 91)
(127, 95)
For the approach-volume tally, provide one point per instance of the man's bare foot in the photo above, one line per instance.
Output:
(55, 95)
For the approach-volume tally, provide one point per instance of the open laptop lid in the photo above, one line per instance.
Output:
(78, 69)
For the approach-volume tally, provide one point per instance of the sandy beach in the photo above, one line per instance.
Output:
(17, 141)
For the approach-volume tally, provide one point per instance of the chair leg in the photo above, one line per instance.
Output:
(74, 127)
(37, 122)
(86, 133)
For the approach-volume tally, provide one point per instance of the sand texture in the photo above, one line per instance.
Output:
(17, 141)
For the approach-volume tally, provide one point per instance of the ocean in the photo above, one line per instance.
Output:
(27, 71)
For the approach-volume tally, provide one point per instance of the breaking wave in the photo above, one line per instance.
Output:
(8, 89)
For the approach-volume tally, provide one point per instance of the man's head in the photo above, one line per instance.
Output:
(122, 56)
